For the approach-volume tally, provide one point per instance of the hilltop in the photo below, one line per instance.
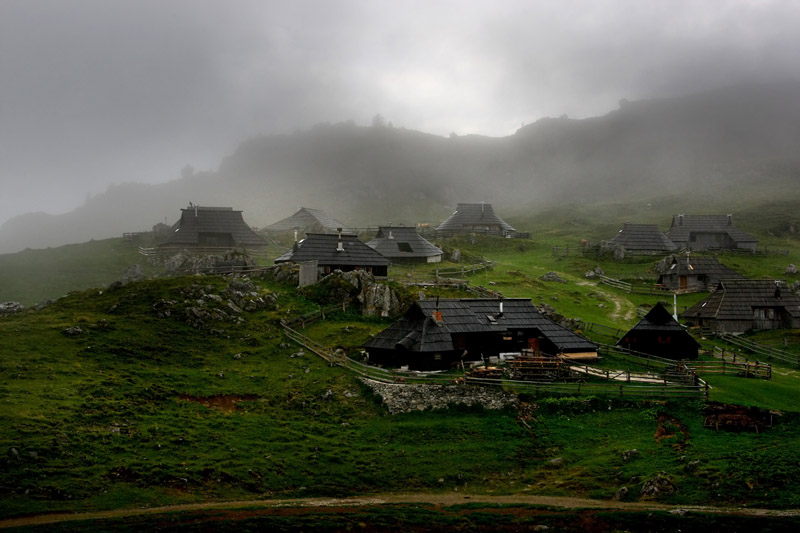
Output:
(718, 145)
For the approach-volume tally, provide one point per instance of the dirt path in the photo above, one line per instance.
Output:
(619, 302)
(448, 499)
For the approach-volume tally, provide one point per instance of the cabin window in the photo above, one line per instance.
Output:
(693, 237)
(437, 357)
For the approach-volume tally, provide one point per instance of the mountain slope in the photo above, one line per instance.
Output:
(723, 142)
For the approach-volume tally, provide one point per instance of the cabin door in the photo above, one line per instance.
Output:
(682, 283)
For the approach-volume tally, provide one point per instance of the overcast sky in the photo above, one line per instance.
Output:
(95, 92)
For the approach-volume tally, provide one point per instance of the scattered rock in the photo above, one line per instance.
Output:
(621, 493)
(403, 398)
(552, 276)
(131, 274)
(658, 485)
(630, 454)
(556, 462)
(455, 257)
(692, 466)
(237, 356)
(73, 331)
(791, 269)
(590, 274)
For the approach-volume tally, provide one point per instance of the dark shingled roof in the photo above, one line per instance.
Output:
(402, 242)
(658, 319)
(322, 247)
(469, 216)
(418, 331)
(683, 225)
(736, 299)
(212, 227)
(643, 237)
(701, 266)
(308, 220)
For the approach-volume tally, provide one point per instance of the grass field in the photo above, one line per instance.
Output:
(142, 408)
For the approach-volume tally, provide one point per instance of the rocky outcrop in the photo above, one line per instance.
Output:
(9, 308)
(552, 276)
(403, 398)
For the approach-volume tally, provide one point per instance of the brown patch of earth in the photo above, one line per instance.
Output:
(225, 402)
(671, 428)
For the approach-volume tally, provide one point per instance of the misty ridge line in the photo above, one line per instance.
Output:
(708, 143)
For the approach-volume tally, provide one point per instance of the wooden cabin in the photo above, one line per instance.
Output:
(659, 334)
(307, 220)
(475, 218)
(709, 232)
(404, 245)
(741, 305)
(643, 239)
(211, 230)
(440, 334)
(695, 274)
(341, 251)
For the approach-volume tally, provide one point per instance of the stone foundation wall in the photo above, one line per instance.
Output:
(403, 398)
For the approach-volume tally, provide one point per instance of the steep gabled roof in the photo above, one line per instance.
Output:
(402, 242)
(197, 223)
(643, 237)
(701, 266)
(323, 247)
(659, 320)
(418, 331)
(308, 220)
(736, 299)
(684, 225)
(473, 215)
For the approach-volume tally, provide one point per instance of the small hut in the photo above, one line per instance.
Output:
(709, 232)
(643, 239)
(695, 274)
(211, 230)
(740, 305)
(659, 334)
(336, 252)
(404, 245)
(475, 218)
(307, 220)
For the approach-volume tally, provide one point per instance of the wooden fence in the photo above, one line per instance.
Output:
(767, 352)
(662, 389)
(754, 369)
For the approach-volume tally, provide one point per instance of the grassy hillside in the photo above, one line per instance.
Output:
(31, 276)
(167, 395)
(149, 405)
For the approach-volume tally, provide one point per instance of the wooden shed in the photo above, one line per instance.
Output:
(709, 232)
(438, 334)
(659, 334)
(741, 305)
(475, 218)
(404, 245)
(211, 230)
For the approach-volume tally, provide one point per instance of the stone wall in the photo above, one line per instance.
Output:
(403, 398)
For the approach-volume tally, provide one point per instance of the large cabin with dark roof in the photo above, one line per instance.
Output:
(741, 305)
(643, 239)
(659, 334)
(211, 230)
(404, 245)
(438, 334)
(709, 232)
(475, 218)
(336, 252)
